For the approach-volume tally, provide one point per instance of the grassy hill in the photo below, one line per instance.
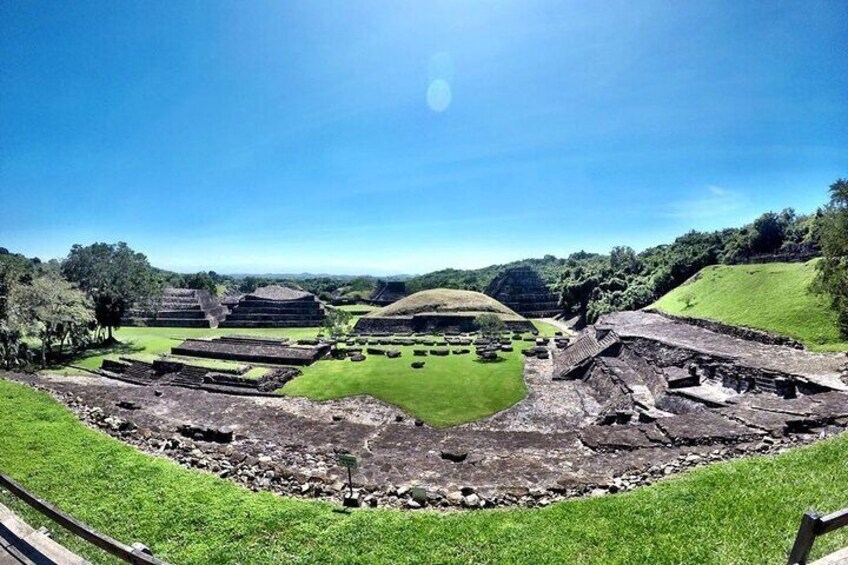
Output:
(769, 296)
(446, 301)
(731, 513)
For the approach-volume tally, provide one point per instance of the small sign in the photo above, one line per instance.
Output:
(419, 494)
(348, 460)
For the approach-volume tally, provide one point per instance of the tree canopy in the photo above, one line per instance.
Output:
(50, 308)
(115, 277)
(832, 275)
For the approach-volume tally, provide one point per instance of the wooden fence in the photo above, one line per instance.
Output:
(104, 542)
(812, 526)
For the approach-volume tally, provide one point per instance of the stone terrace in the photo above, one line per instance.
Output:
(252, 350)
(388, 292)
(276, 307)
(823, 369)
(523, 290)
(180, 307)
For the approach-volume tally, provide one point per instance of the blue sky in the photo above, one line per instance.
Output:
(388, 137)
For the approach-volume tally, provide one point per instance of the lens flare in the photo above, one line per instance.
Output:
(439, 95)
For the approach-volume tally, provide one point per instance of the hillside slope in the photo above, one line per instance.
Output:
(769, 296)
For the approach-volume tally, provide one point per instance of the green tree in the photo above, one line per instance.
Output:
(769, 231)
(337, 323)
(489, 325)
(50, 308)
(201, 281)
(832, 269)
(579, 287)
(115, 277)
(623, 258)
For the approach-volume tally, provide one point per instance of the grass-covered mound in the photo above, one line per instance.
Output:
(447, 391)
(732, 513)
(770, 296)
(446, 301)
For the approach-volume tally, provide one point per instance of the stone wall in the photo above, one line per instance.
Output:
(431, 323)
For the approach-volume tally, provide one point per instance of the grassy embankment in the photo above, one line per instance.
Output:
(771, 296)
(730, 513)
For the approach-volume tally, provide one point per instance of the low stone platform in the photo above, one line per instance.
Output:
(172, 373)
(432, 323)
(253, 350)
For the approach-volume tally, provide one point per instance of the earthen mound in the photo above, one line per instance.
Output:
(440, 309)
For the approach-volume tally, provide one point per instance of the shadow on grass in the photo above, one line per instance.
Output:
(116, 348)
(499, 359)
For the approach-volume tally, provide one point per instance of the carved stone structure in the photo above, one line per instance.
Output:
(276, 307)
(252, 350)
(524, 291)
(388, 292)
(172, 373)
(180, 307)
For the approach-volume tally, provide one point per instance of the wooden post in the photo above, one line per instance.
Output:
(804, 539)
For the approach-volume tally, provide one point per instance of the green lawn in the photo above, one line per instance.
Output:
(449, 390)
(545, 329)
(770, 296)
(156, 341)
(744, 512)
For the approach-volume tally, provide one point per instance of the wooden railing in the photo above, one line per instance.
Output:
(104, 542)
(812, 526)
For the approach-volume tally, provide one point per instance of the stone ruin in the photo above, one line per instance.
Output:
(646, 370)
(388, 292)
(276, 307)
(631, 400)
(166, 372)
(524, 291)
(432, 322)
(253, 349)
(180, 307)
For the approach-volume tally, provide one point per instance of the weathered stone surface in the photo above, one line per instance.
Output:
(703, 427)
(619, 437)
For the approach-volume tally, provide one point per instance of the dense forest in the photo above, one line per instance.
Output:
(591, 284)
